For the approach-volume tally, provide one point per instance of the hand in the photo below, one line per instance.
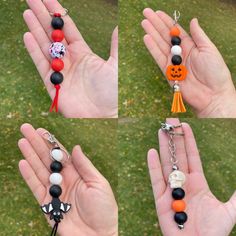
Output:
(206, 215)
(90, 86)
(94, 209)
(208, 88)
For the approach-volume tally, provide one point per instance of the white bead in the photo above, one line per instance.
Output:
(176, 50)
(177, 179)
(57, 50)
(55, 178)
(57, 154)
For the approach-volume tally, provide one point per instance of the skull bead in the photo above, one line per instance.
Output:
(177, 179)
(57, 50)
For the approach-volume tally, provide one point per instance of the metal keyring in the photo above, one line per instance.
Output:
(65, 13)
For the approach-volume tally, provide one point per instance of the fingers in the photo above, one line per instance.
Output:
(155, 51)
(84, 166)
(114, 44)
(34, 161)
(165, 152)
(38, 32)
(32, 181)
(37, 143)
(36, 54)
(199, 36)
(194, 161)
(156, 175)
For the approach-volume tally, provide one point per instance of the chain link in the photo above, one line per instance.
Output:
(172, 148)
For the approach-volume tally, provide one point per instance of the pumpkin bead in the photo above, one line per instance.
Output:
(178, 205)
(176, 40)
(175, 31)
(176, 60)
(176, 50)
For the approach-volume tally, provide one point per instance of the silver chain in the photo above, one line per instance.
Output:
(172, 148)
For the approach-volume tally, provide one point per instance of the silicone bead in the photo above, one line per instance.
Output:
(56, 167)
(176, 50)
(178, 193)
(176, 60)
(55, 178)
(55, 191)
(56, 78)
(57, 154)
(175, 31)
(57, 64)
(57, 35)
(178, 205)
(180, 217)
(176, 40)
(57, 23)
(57, 50)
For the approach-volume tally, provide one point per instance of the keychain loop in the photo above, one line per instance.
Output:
(66, 12)
(176, 16)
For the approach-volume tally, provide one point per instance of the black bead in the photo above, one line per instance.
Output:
(56, 167)
(57, 23)
(180, 218)
(176, 60)
(55, 191)
(56, 78)
(178, 193)
(176, 40)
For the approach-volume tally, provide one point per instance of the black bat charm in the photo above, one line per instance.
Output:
(55, 208)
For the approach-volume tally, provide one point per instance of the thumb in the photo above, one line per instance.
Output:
(199, 36)
(114, 44)
(231, 207)
(84, 166)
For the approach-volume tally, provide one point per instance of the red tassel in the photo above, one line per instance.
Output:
(56, 98)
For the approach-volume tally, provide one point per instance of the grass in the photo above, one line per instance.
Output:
(22, 91)
(19, 209)
(143, 90)
(216, 142)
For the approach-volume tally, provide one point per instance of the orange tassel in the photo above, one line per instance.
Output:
(177, 104)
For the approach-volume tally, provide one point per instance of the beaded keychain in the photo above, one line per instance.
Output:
(176, 72)
(56, 208)
(57, 51)
(176, 178)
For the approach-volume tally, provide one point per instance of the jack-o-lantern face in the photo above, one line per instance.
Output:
(176, 72)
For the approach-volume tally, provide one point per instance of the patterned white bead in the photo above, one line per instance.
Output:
(57, 50)
(176, 50)
(57, 154)
(55, 178)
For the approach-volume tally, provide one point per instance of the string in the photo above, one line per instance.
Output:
(54, 229)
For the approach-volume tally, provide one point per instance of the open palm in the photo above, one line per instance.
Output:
(208, 87)
(89, 88)
(94, 209)
(206, 214)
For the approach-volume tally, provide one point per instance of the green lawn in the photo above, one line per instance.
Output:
(143, 90)
(22, 91)
(20, 213)
(216, 142)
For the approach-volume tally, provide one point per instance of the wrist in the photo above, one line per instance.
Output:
(221, 106)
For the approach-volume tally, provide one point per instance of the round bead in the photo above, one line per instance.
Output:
(57, 23)
(57, 154)
(55, 178)
(178, 193)
(180, 218)
(178, 205)
(176, 40)
(55, 191)
(57, 50)
(57, 35)
(56, 166)
(56, 78)
(57, 64)
(174, 31)
(176, 50)
(176, 60)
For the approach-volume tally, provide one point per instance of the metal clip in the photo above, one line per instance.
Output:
(176, 16)
(170, 129)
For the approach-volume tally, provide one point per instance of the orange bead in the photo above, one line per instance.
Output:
(178, 205)
(175, 31)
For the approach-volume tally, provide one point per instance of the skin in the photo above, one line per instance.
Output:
(94, 209)
(208, 88)
(206, 214)
(90, 86)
